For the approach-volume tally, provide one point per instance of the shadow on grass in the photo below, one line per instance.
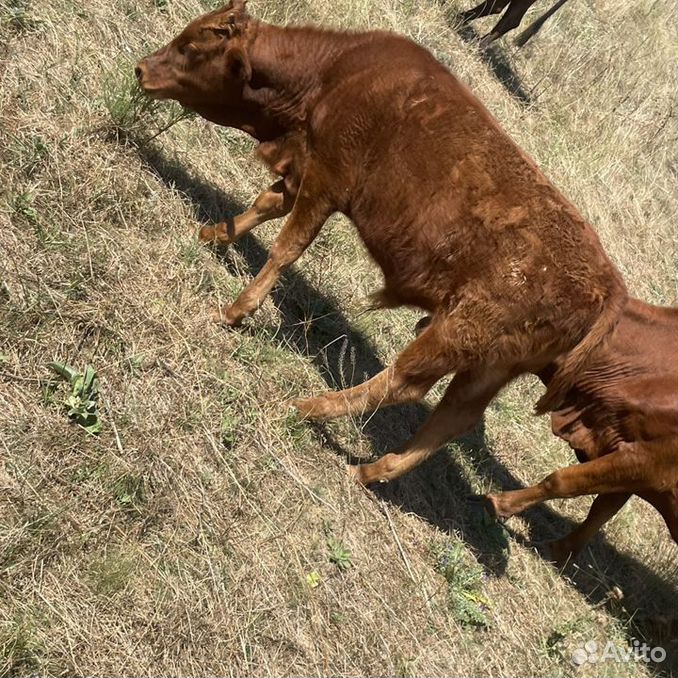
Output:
(437, 490)
(495, 57)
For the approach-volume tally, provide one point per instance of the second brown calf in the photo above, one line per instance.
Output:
(621, 418)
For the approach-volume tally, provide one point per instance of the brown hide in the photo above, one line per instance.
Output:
(629, 393)
(621, 419)
(462, 223)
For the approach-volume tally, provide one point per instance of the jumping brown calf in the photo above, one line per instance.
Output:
(461, 222)
(510, 20)
(621, 419)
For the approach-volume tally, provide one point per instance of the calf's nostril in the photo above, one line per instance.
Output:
(138, 72)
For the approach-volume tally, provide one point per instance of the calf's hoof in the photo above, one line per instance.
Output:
(223, 316)
(486, 504)
(214, 235)
(355, 473)
(311, 408)
(558, 553)
(207, 234)
(367, 474)
(485, 42)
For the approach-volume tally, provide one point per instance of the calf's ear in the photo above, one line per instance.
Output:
(238, 63)
(232, 20)
(239, 5)
(236, 12)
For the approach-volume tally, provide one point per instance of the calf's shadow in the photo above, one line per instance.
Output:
(437, 490)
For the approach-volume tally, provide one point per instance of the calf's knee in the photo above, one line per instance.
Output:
(554, 486)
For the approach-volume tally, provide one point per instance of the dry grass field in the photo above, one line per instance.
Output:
(206, 531)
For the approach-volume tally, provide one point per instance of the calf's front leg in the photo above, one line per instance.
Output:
(614, 477)
(619, 472)
(276, 201)
(304, 223)
(604, 507)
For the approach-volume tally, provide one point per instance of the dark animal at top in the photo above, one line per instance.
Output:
(621, 418)
(510, 20)
(461, 222)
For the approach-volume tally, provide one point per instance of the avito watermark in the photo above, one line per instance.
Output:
(593, 652)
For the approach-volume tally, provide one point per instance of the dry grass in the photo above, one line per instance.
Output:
(205, 531)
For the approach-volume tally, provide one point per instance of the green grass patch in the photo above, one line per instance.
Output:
(464, 577)
(111, 574)
(82, 402)
(135, 116)
(21, 652)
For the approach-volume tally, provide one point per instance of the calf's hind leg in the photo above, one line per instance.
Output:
(423, 362)
(276, 201)
(460, 409)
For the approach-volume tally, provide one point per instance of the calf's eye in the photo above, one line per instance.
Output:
(189, 49)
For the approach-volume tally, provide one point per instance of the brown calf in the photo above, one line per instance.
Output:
(511, 19)
(461, 222)
(621, 419)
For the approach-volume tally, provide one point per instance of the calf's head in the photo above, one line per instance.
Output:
(205, 65)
